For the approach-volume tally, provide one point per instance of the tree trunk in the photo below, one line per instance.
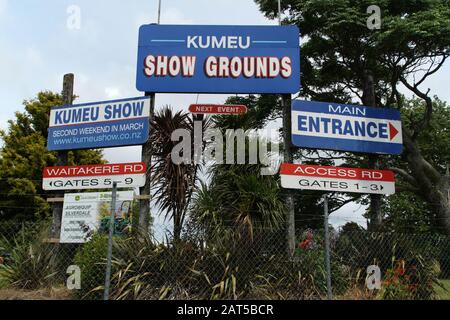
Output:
(177, 227)
(433, 187)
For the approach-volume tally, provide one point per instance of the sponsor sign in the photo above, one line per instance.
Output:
(99, 124)
(217, 109)
(99, 176)
(337, 179)
(218, 59)
(85, 213)
(323, 125)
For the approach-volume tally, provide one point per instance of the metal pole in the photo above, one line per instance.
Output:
(279, 12)
(327, 248)
(110, 241)
(159, 12)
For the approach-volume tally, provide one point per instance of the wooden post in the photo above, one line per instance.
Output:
(62, 156)
(288, 158)
(369, 99)
(145, 204)
(327, 247)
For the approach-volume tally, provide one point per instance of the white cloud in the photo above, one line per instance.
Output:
(142, 19)
(34, 57)
(168, 16)
(112, 93)
(174, 16)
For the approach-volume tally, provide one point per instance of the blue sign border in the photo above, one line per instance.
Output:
(169, 40)
(128, 136)
(346, 145)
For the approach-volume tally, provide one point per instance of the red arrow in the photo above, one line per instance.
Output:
(392, 131)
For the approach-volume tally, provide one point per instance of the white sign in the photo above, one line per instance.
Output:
(337, 179)
(99, 176)
(83, 213)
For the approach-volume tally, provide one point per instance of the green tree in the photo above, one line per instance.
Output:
(23, 157)
(237, 199)
(409, 209)
(343, 59)
(172, 184)
(240, 200)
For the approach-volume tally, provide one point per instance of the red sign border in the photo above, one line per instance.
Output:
(120, 170)
(240, 106)
(289, 169)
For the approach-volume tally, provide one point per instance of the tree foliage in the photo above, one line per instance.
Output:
(172, 184)
(24, 155)
(339, 53)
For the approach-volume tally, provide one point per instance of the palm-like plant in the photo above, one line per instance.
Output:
(239, 198)
(172, 184)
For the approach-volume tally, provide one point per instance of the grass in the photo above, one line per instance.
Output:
(43, 294)
(444, 294)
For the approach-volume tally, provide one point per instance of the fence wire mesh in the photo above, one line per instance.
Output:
(224, 263)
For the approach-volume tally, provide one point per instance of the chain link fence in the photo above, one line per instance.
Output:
(221, 263)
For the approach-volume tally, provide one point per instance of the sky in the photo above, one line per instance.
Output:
(39, 43)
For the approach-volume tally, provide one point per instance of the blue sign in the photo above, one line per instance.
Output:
(218, 59)
(99, 125)
(323, 125)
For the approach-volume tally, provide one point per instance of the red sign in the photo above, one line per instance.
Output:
(324, 178)
(97, 176)
(217, 109)
(95, 170)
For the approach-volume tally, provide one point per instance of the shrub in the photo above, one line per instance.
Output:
(411, 279)
(91, 259)
(32, 263)
(310, 255)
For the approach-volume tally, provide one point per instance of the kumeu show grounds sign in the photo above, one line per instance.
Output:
(218, 59)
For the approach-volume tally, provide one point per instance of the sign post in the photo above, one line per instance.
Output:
(288, 157)
(146, 155)
(68, 84)
(110, 242)
(327, 247)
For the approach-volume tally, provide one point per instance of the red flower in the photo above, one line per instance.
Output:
(305, 244)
